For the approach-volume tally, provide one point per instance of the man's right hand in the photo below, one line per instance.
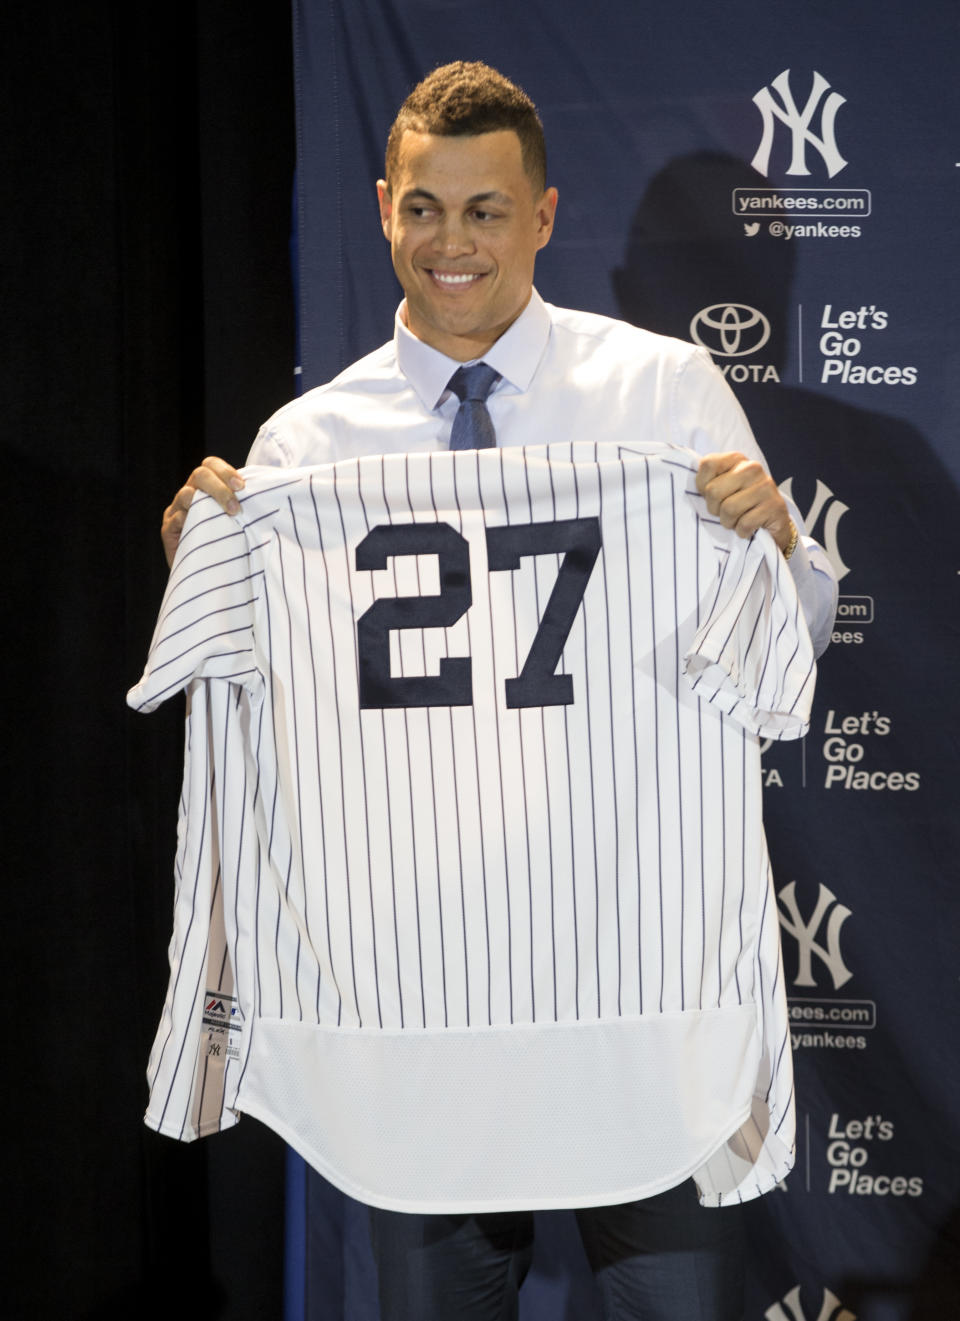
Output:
(216, 478)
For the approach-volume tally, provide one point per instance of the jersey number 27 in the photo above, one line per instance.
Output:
(537, 684)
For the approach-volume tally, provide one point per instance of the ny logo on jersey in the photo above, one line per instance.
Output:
(824, 503)
(798, 122)
(805, 934)
(828, 1309)
(536, 685)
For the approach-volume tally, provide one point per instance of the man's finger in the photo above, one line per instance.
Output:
(214, 477)
(173, 520)
(219, 480)
(712, 466)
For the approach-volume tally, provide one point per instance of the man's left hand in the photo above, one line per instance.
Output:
(742, 494)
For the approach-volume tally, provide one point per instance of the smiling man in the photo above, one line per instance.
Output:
(478, 358)
(465, 221)
(466, 209)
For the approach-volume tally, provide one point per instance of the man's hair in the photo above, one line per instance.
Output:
(466, 98)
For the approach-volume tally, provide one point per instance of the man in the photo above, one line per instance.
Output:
(465, 207)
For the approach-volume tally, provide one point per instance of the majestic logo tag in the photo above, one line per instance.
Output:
(798, 122)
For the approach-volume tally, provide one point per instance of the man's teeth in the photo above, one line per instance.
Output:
(452, 279)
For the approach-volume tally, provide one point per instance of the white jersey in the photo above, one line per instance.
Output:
(473, 900)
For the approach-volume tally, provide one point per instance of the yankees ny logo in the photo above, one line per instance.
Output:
(828, 1310)
(798, 122)
(805, 935)
(826, 503)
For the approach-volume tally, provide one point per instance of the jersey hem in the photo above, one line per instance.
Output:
(475, 1206)
(596, 1113)
(191, 1132)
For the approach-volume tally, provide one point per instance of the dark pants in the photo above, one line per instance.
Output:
(665, 1258)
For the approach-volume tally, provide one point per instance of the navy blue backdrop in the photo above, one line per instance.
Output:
(779, 184)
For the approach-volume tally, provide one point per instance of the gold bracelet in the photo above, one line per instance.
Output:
(792, 543)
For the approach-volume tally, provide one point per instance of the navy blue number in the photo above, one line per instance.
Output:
(453, 686)
(537, 685)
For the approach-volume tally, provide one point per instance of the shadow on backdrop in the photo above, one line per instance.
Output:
(884, 507)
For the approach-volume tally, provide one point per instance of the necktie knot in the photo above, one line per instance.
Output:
(473, 382)
(472, 426)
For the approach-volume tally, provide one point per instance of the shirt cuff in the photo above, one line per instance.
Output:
(817, 589)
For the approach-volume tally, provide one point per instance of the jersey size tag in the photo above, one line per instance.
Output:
(223, 1025)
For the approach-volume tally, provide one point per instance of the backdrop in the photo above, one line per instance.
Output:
(147, 321)
(779, 185)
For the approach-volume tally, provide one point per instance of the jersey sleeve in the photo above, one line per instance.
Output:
(194, 1051)
(706, 417)
(752, 656)
(205, 626)
(204, 642)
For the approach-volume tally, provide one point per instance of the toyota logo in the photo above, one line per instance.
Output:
(730, 330)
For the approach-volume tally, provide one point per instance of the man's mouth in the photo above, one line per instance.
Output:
(455, 280)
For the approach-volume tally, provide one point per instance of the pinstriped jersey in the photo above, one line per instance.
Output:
(473, 901)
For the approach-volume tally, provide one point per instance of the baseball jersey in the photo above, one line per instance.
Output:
(473, 901)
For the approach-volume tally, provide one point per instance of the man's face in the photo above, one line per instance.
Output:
(464, 225)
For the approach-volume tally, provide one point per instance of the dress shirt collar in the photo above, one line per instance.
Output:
(515, 355)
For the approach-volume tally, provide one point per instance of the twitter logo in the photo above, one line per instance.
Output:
(752, 230)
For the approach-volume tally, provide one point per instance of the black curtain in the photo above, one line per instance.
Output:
(147, 314)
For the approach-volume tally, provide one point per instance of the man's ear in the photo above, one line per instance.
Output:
(546, 214)
(386, 206)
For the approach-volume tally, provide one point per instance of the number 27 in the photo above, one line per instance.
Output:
(536, 684)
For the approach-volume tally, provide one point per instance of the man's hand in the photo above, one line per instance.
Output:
(216, 478)
(743, 495)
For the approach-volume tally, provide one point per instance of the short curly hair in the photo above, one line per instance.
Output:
(466, 98)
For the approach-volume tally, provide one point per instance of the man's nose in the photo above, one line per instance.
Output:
(452, 236)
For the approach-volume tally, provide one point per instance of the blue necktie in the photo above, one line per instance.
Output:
(472, 426)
